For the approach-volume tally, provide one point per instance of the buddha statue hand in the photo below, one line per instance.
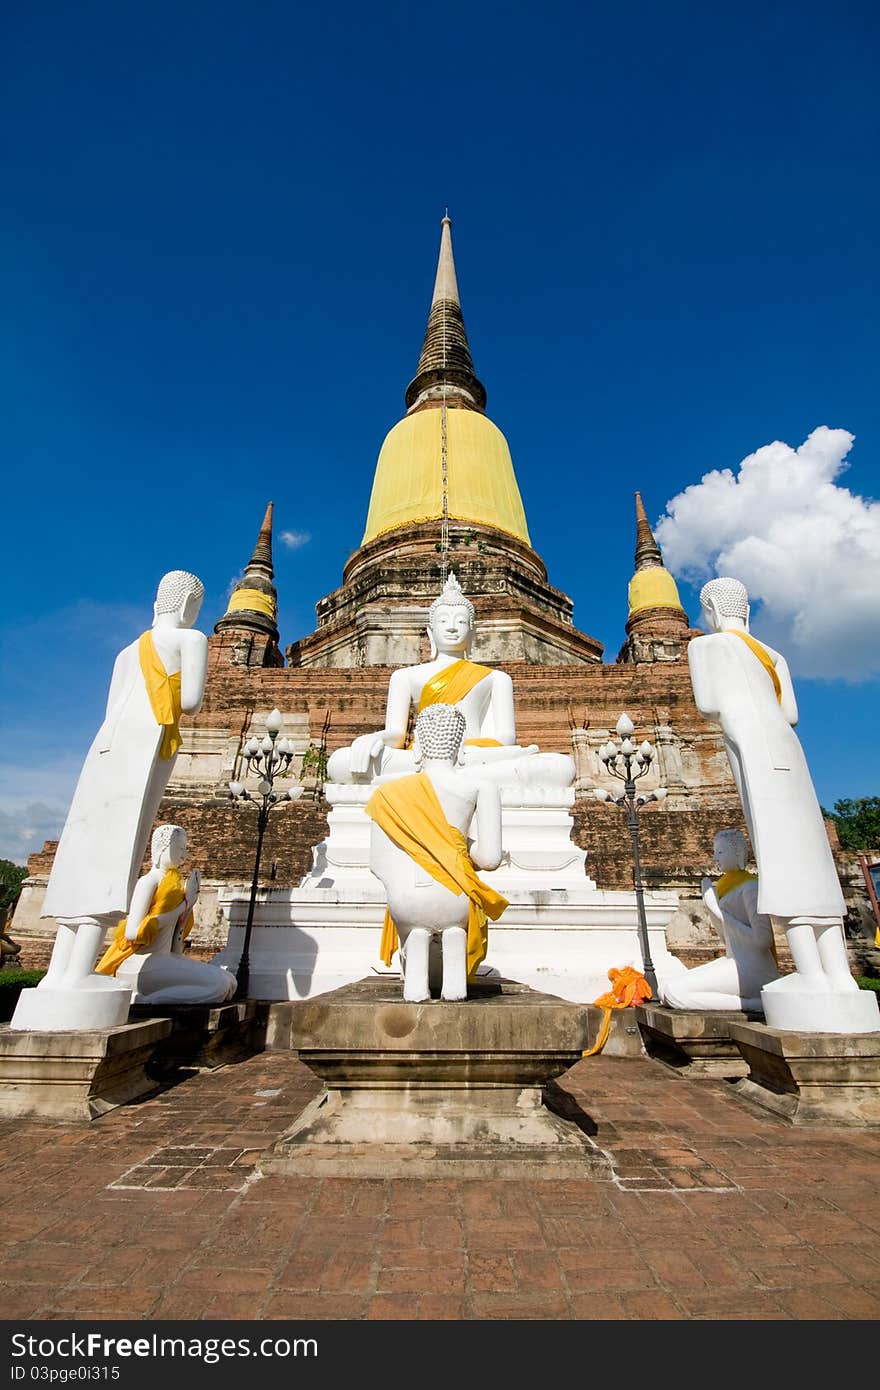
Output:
(365, 751)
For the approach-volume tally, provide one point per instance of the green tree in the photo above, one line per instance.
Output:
(12, 876)
(857, 821)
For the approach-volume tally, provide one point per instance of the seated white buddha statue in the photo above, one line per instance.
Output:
(483, 694)
(146, 952)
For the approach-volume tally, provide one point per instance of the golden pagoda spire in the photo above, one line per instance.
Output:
(652, 586)
(446, 369)
(445, 461)
(253, 603)
(648, 552)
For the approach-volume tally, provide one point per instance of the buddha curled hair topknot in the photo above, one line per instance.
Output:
(735, 840)
(451, 597)
(174, 588)
(162, 839)
(731, 597)
(439, 731)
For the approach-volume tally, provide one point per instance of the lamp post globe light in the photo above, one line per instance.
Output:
(266, 759)
(629, 762)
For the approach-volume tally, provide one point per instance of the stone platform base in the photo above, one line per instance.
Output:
(693, 1039)
(811, 1078)
(205, 1036)
(76, 1075)
(436, 1089)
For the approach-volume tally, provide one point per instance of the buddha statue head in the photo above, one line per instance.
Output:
(179, 594)
(730, 850)
(439, 732)
(168, 846)
(451, 621)
(723, 598)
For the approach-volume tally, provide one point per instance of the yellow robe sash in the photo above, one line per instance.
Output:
(732, 879)
(762, 655)
(164, 695)
(411, 815)
(452, 683)
(168, 895)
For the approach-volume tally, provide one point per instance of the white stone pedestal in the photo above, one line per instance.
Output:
(305, 942)
(560, 935)
(98, 1002)
(536, 826)
(811, 1011)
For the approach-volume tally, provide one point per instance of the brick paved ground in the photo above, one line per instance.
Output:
(715, 1211)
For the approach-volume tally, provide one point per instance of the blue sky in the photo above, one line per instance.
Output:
(219, 233)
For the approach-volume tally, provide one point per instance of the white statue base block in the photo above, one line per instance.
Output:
(560, 935)
(306, 943)
(812, 1011)
(102, 1004)
(536, 826)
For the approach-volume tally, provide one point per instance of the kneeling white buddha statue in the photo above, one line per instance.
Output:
(483, 694)
(734, 980)
(146, 952)
(420, 852)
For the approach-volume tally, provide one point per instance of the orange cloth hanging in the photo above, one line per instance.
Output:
(628, 988)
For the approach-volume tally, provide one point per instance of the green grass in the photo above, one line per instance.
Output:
(868, 982)
(12, 982)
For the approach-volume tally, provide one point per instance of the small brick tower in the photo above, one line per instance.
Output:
(657, 628)
(249, 628)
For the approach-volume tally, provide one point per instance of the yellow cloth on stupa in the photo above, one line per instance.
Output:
(164, 695)
(410, 813)
(168, 895)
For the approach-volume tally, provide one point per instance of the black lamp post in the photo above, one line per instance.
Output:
(268, 760)
(628, 763)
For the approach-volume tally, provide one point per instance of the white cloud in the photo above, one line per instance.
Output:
(34, 802)
(806, 549)
(294, 540)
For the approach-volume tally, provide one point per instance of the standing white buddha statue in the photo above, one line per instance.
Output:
(745, 687)
(420, 851)
(122, 782)
(484, 695)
